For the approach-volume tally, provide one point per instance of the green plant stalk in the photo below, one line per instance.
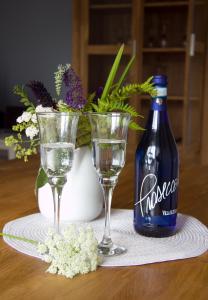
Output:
(112, 73)
(19, 238)
(124, 74)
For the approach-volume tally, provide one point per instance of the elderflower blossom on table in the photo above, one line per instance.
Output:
(74, 252)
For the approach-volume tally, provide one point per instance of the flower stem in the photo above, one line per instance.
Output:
(18, 238)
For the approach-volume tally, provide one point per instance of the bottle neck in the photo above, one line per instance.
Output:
(158, 116)
(159, 103)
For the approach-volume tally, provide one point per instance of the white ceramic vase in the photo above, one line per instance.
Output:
(82, 197)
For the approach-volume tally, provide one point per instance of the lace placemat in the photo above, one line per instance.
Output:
(191, 239)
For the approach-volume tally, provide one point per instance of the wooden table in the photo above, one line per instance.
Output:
(24, 277)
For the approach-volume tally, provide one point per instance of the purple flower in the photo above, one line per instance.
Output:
(74, 100)
(98, 94)
(74, 95)
(41, 94)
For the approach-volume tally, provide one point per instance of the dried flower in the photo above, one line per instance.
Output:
(74, 95)
(42, 95)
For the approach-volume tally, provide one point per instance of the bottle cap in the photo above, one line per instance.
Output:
(160, 80)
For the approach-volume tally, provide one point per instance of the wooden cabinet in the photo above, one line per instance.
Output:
(167, 37)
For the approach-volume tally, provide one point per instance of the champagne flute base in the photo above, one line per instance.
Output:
(112, 250)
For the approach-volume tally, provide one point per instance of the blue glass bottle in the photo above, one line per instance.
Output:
(156, 168)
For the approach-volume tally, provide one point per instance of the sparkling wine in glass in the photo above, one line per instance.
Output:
(56, 158)
(57, 143)
(109, 137)
(108, 156)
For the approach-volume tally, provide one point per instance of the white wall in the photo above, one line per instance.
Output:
(35, 36)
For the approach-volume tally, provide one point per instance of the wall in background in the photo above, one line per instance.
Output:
(35, 38)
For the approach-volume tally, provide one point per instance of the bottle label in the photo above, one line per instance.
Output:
(159, 102)
(151, 194)
(161, 91)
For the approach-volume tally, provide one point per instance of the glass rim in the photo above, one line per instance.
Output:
(113, 114)
(58, 113)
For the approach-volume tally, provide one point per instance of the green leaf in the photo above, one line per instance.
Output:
(95, 107)
(91, 97)
(24, 99)
(30, 109)
(83, 140)
(41, 179)
(113, 72)
(123, 76)
(88, 105)
(63, 107)
(133, 125)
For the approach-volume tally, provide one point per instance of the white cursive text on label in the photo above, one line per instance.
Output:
(155, 194)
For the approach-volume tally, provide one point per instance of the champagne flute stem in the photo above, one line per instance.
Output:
(56, 191)
(108, 193)
(57, 188)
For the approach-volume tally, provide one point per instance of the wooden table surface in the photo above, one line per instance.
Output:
(24, 277)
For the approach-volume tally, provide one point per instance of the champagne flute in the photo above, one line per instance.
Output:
(57, 143)
(109, 137)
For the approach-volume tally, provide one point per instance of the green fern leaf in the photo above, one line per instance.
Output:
(120, 106)
(133, 125)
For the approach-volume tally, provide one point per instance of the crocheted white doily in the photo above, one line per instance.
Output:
(191, 239)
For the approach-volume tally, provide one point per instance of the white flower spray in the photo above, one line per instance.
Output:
(25, 117)
(74, 252)
(31, 131)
